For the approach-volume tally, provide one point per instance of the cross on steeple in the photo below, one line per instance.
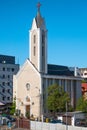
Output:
(38, 6)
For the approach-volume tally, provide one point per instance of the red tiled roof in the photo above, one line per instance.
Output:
(84, 86)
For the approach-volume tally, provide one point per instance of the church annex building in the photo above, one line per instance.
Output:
(36, 75)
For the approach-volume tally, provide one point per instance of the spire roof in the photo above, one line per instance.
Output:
(39, 19)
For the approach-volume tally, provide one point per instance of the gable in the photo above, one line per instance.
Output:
(27, 66)
(27, 75)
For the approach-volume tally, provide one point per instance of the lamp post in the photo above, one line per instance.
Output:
(66, 117)
(39, 101)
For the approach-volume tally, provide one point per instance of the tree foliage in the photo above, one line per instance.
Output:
(28, 114)
(57, 98)
(82, 104)
(13, 108)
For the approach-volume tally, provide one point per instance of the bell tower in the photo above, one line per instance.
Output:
(38, 42)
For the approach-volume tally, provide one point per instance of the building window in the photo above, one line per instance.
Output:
(3, 76)
(3, 98)
(85, 73)
(8, 76)
(3, 69)
(42, 51)
(3, 90)
(8, 90)
(8, 98)
(8, 83)
(13, 69)
(27, 86)
(34, 50)
(3, 83)
(82, 74)
(34, 38)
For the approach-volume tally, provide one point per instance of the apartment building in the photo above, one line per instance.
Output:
(7, 69)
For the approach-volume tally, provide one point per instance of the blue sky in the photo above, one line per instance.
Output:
(66, 21)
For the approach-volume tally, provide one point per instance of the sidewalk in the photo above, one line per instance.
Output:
(20, 129)
(6, 128)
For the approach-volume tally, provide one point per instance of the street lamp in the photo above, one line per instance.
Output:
(41, 103)
(66, 118)
(18, 105)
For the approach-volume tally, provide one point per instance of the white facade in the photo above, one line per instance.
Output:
(83, 72)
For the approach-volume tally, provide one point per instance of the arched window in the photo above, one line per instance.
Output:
(34, 38)
(34, 50)
(43, 37)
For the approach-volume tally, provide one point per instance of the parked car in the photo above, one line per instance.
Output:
(55, 121)
(7, 118)
(11, 119)
(81, 122)
(4, 120)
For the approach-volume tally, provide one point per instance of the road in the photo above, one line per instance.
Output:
(5, 127)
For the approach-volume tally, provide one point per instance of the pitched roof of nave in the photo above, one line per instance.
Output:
(38, 18)
(59, 70)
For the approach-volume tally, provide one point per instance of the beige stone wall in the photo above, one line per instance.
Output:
(28, 74)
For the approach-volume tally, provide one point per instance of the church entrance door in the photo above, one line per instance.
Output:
(28, 111)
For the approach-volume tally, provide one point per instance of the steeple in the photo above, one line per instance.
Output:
(38, 42)
(38, 18)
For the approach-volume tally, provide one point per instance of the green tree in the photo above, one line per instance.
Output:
(57, 98)
(28, 114)
(13, 108)
(82, 104)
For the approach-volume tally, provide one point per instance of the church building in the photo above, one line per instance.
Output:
(34, 77)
